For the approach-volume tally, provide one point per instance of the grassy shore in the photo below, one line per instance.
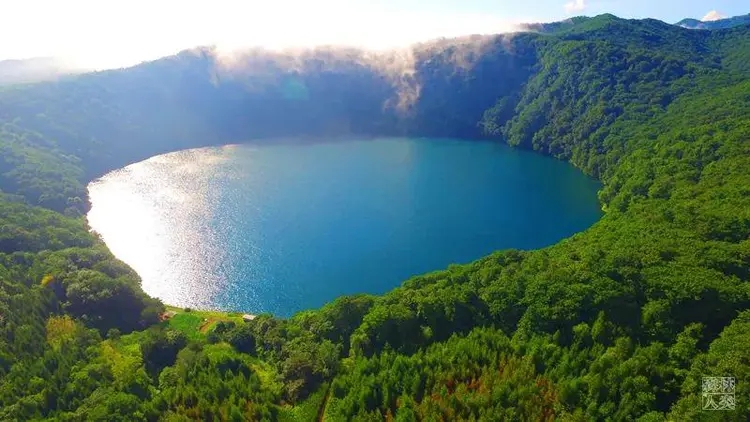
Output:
(195, 324)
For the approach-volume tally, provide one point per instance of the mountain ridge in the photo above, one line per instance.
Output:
(33, 70)
(724, 23)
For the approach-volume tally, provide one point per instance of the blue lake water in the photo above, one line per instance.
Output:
(285, 226)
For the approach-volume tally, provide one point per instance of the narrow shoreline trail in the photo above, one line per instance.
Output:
(324, 405)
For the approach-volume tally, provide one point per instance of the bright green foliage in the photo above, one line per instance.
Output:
(214, 382)
(619, 322)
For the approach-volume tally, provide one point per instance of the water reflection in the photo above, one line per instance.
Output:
(281, 227)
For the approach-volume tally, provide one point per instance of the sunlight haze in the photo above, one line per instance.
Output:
(99, 35)
(96, 34)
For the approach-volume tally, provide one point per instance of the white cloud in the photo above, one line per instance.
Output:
(574, 6)
(713, 16)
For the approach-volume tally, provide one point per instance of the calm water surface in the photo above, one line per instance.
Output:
(285, 226)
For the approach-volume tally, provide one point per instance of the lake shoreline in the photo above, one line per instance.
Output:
(224, 219)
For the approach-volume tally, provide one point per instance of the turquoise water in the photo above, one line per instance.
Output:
(284, 226)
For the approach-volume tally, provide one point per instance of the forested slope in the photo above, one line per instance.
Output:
(619, 322)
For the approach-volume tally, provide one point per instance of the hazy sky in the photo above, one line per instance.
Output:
(115, 33)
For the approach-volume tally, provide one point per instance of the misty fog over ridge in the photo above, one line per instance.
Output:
(391, 51)
(40, 69)
(141, 31)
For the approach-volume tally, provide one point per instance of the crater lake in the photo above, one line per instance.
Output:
(286, 225)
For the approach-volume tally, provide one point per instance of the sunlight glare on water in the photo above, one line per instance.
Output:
(285, 226)
(155, 216)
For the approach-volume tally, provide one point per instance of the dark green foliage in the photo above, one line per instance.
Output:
(619, 322)
(160, 348)
(90, 284)
(727, 356)
(32, 229)
(242, 339)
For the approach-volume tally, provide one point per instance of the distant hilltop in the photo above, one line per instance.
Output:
(715, 24)
(36, 69)
(580, 22)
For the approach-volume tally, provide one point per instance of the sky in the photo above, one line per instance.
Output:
(114, 33)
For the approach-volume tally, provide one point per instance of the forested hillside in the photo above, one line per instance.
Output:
(619, 322)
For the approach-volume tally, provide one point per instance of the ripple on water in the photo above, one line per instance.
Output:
(289, 226)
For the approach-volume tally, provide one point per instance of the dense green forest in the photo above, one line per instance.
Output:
(619, 322)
